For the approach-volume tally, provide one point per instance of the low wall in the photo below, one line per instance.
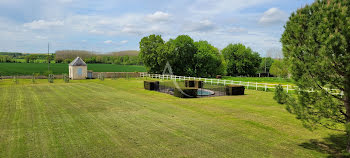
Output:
(94, 74)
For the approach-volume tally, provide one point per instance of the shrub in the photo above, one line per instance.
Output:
(193, 84)
(50, 78)
(151, 85)
(65, 78)
(234, 90)
(15, 79)
(188, 93)
(101, 76)
(33, 78)
(280, 95)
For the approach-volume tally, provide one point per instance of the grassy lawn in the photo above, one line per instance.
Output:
(30, 68)
(118, 118)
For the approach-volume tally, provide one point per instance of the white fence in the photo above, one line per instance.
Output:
(248, 85)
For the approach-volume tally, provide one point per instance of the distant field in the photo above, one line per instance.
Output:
(7, 69)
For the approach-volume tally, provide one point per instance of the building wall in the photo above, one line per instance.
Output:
(77, 72)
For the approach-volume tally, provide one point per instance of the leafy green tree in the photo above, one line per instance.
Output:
(149, 54)
(208, 61)
(180, 55)
(279, 68)
(316, 42)
(241, 60)
(265, 65)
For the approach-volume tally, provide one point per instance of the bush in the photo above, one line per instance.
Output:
(50, 78)
(65, 78)
(193, 84)
(188, 93)
(280, 95)
(151, 85)
(234, 90)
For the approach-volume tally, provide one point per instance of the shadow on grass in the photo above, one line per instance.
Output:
(334, 145)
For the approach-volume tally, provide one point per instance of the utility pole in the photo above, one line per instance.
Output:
(48, 57)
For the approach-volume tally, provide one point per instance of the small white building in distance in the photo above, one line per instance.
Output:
(77, 69)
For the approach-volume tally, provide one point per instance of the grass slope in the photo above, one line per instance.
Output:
(30, 68)
(118, 118)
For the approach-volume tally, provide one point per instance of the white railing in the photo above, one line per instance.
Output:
(248, 85)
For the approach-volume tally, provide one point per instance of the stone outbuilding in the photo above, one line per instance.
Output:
(77, 69)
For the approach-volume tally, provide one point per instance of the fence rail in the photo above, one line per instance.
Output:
(248, 85)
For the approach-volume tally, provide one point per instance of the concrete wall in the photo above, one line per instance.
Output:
(77, 72)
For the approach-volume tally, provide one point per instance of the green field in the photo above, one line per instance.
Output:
(118, 118)
(272, 80)
(8, 69)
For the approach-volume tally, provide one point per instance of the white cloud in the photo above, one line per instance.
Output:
(108, 41)
(212, 7)
(42, 24)
(124, 41)
(201, 26)
(40, 37)
(158, 17)
(273, 16)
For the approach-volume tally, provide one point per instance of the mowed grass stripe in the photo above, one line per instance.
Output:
(186, 132)
(76, 102)
(118, 118)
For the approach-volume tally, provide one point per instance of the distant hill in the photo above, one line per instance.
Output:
(126, 52)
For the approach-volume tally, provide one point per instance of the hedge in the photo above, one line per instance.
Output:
(234, 90)
(193, 84)
(151, 85)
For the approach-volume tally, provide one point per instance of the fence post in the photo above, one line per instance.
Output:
(265, 87)
(224, 82)
(256, 86)
(248, 85)
(287, 88)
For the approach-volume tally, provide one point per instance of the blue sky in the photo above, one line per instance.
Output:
(114, 25)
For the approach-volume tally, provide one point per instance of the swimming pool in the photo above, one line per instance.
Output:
(204, 92)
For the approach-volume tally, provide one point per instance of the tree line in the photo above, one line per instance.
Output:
(201, 59)
(67, 56)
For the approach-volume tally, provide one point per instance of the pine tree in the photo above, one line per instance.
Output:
(316, 44)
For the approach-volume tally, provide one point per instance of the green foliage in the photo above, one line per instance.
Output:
(280, 95)
(186, 57)
(149, 54)
(208, 61)
(241, 60)
(316, 43)
(265, 65)
(15, 79)
(34, 76)
(47, 73)
(50, 78)
(66, 78)
(279, 68)
(101, 76)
